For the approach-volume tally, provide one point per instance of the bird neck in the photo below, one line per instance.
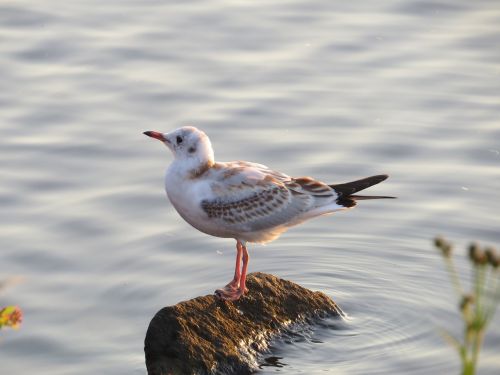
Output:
(193, 167)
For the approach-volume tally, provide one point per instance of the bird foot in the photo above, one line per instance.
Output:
(233, 285)
(231, 292)
(228, 294)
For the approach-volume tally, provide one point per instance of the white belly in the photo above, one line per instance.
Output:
(186, 199)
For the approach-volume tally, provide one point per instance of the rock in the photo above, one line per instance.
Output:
(208, 336)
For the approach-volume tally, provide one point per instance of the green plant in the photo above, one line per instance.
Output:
(478, 306)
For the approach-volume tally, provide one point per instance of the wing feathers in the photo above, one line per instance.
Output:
(252, 197)
(254, 207)
(353, 187)
(309, 185)
(345, 191)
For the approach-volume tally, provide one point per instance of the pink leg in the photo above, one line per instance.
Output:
(235, 283)
(243, 278)
(236, 288)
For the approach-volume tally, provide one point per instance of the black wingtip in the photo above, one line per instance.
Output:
(367, 197)
(346, 191)
(349, 188)
(378, 178)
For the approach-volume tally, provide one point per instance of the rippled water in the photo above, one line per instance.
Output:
(335, 90)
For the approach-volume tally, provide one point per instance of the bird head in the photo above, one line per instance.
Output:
(187, 144)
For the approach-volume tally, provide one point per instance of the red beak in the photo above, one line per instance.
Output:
(156, 135)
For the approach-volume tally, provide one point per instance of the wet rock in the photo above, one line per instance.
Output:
(209, 336)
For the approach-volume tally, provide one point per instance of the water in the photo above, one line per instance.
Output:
(328, 89)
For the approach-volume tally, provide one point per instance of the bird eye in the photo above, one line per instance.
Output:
(179, 140)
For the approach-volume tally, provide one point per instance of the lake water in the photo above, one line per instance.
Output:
(335, 90)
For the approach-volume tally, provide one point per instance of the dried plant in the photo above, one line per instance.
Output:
(477, 307)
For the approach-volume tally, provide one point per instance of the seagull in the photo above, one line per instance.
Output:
(245, 201)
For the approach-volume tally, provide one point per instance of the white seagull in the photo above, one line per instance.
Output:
(245, 201)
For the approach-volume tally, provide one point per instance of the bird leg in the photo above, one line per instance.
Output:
(236, 287)
(243, 277)
(235, 283)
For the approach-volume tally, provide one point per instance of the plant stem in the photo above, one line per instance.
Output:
(478, 341)
(452, 271)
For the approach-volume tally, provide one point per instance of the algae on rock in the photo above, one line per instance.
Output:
(208, 336)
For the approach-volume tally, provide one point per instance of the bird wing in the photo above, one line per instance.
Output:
(250, 197)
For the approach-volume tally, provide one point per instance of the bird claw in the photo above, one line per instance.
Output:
(228, 294)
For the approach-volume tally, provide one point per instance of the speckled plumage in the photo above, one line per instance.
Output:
(245, 201)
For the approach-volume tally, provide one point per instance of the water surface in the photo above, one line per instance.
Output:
(332, 90)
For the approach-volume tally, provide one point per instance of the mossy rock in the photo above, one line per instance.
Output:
(208, 336)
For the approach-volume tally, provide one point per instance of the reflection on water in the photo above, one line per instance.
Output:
(272, 361)
(335, 91)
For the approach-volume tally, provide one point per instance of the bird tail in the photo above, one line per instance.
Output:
(346, 191)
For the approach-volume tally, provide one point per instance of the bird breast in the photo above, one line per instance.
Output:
(186, 197)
